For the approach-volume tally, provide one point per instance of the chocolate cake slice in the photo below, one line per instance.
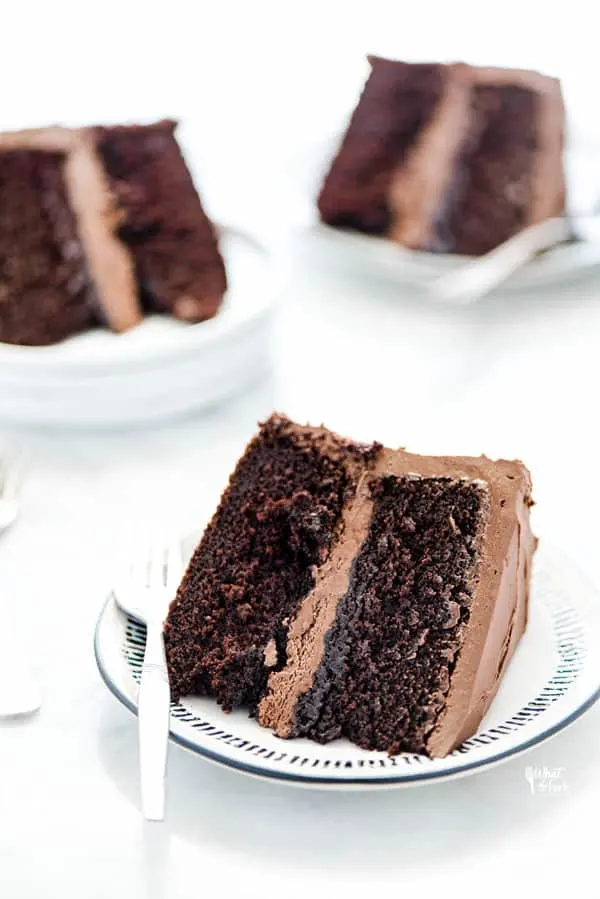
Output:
(351, 590)
(98, 225)
(448, 158)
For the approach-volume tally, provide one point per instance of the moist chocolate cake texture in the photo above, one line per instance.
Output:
(98, 226)
(346, 590)
(448, 158)
(45, 289)
(162, 223)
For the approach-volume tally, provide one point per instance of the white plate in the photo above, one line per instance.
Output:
(159, 369)
(376, 258)
(553, 678)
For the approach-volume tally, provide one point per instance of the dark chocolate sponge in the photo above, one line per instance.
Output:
(172, 241)
(390, 653)
(257, 560)
(45, 291)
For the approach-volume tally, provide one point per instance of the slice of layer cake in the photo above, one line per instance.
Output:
(351, 590)
(97, 225)
(449, 158)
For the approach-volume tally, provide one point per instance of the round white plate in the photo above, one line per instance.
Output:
(161, 368)
(376, 258)
(553, 678)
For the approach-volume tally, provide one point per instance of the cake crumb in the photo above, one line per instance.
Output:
(270, 654)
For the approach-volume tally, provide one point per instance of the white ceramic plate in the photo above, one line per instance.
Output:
(159, 369)
(379, 258)
(553, 678)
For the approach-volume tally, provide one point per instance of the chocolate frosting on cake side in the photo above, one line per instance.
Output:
(498, 613)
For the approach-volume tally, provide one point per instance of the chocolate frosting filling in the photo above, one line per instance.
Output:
(419, 185)
(306, 636)
(97, 213)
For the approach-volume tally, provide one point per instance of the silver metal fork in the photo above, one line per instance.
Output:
(19, 690)
(145, 592)
(472, 280)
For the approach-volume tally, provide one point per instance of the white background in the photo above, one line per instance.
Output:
(260, 89)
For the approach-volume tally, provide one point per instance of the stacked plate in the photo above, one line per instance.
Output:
(162, 368)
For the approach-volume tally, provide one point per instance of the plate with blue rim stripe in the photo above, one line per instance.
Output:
(553, 678)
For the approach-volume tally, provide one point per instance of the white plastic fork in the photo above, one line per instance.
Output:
(145, 593)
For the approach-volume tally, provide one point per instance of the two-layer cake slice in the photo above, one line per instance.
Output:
(97, 226)
(450, 158)
(350, 590)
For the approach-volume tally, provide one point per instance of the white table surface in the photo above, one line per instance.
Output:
(515, 376)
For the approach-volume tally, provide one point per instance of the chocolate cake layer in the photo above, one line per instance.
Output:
(498, 150)
(400, 625)
(162, 222)
(45, 290)
(483, 161)
(397, 104)
(431, 604)
(275, 525)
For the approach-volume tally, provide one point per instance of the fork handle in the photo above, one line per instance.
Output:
(154, 700)
(476, 278)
